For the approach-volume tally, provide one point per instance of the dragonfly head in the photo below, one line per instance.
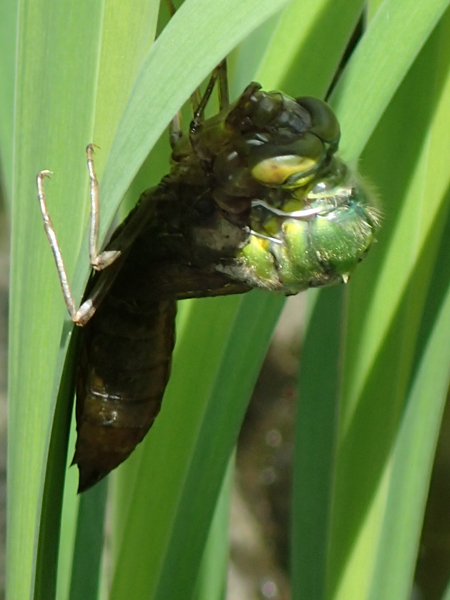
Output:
(270, 141)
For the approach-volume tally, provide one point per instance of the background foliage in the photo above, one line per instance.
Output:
(375, 368)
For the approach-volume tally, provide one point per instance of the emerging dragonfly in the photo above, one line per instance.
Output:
(256, 198)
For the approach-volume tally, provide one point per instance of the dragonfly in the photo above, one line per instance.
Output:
(257, 197)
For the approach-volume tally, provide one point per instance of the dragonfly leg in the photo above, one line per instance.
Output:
(175, 127)
(199, 113)
(78, 316)
(199, 104)
(219, 74)
(224, 95)
(196, 98)
(197, 95)
(100, 261)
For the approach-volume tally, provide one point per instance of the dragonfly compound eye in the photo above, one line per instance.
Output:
(268, 112)
(291, 165)
(324, 123)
